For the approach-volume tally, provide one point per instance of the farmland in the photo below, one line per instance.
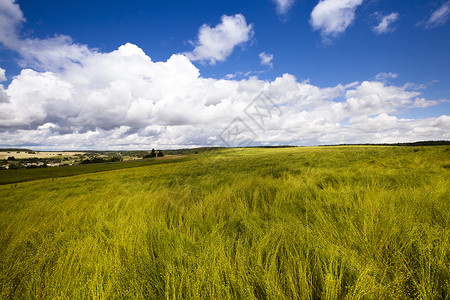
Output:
(31, 154)
(286, 223)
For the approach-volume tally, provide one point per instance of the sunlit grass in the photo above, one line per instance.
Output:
(296, 223)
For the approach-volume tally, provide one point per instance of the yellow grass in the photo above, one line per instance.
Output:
(299, 223)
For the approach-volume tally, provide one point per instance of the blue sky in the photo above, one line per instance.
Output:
(342, 71)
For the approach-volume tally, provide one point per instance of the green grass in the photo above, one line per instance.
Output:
(296, 223)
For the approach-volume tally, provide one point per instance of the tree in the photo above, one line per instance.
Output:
(160, 154)
(151, 155)
(115, 159)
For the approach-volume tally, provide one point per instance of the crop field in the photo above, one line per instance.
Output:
(287, 223)
(40, 154)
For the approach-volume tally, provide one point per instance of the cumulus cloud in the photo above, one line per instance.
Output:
(372, 97)
(439, 17)
(266, 59)
(332, 17)
(385, 24)
(216, 44)
(283, 6)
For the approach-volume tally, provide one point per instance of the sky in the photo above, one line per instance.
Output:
(140, 74)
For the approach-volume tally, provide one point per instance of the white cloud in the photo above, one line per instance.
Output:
(439, 17)
(266, 59)
(422, 102)
(11, 18)
(51, 54)
(3, 95)
(385, 76)
(385, 24)
(283, 6)
(216, 44)
(332, 17)
(372, 97)
(2, 75)
(243, 75)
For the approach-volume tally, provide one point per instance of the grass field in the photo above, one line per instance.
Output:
(295, 223)
(21, 175)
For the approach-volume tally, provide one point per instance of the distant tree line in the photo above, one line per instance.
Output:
(15, 150)
(420, 143)
(424, 143)
(98, 160)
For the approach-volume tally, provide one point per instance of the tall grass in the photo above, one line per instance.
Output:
(298, 223)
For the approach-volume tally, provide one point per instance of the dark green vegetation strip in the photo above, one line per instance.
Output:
(21, 175)
(301, 223)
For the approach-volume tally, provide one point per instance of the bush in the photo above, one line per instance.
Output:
(115, 159)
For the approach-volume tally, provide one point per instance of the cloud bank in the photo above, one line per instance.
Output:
(122, 99)
(69, 96)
